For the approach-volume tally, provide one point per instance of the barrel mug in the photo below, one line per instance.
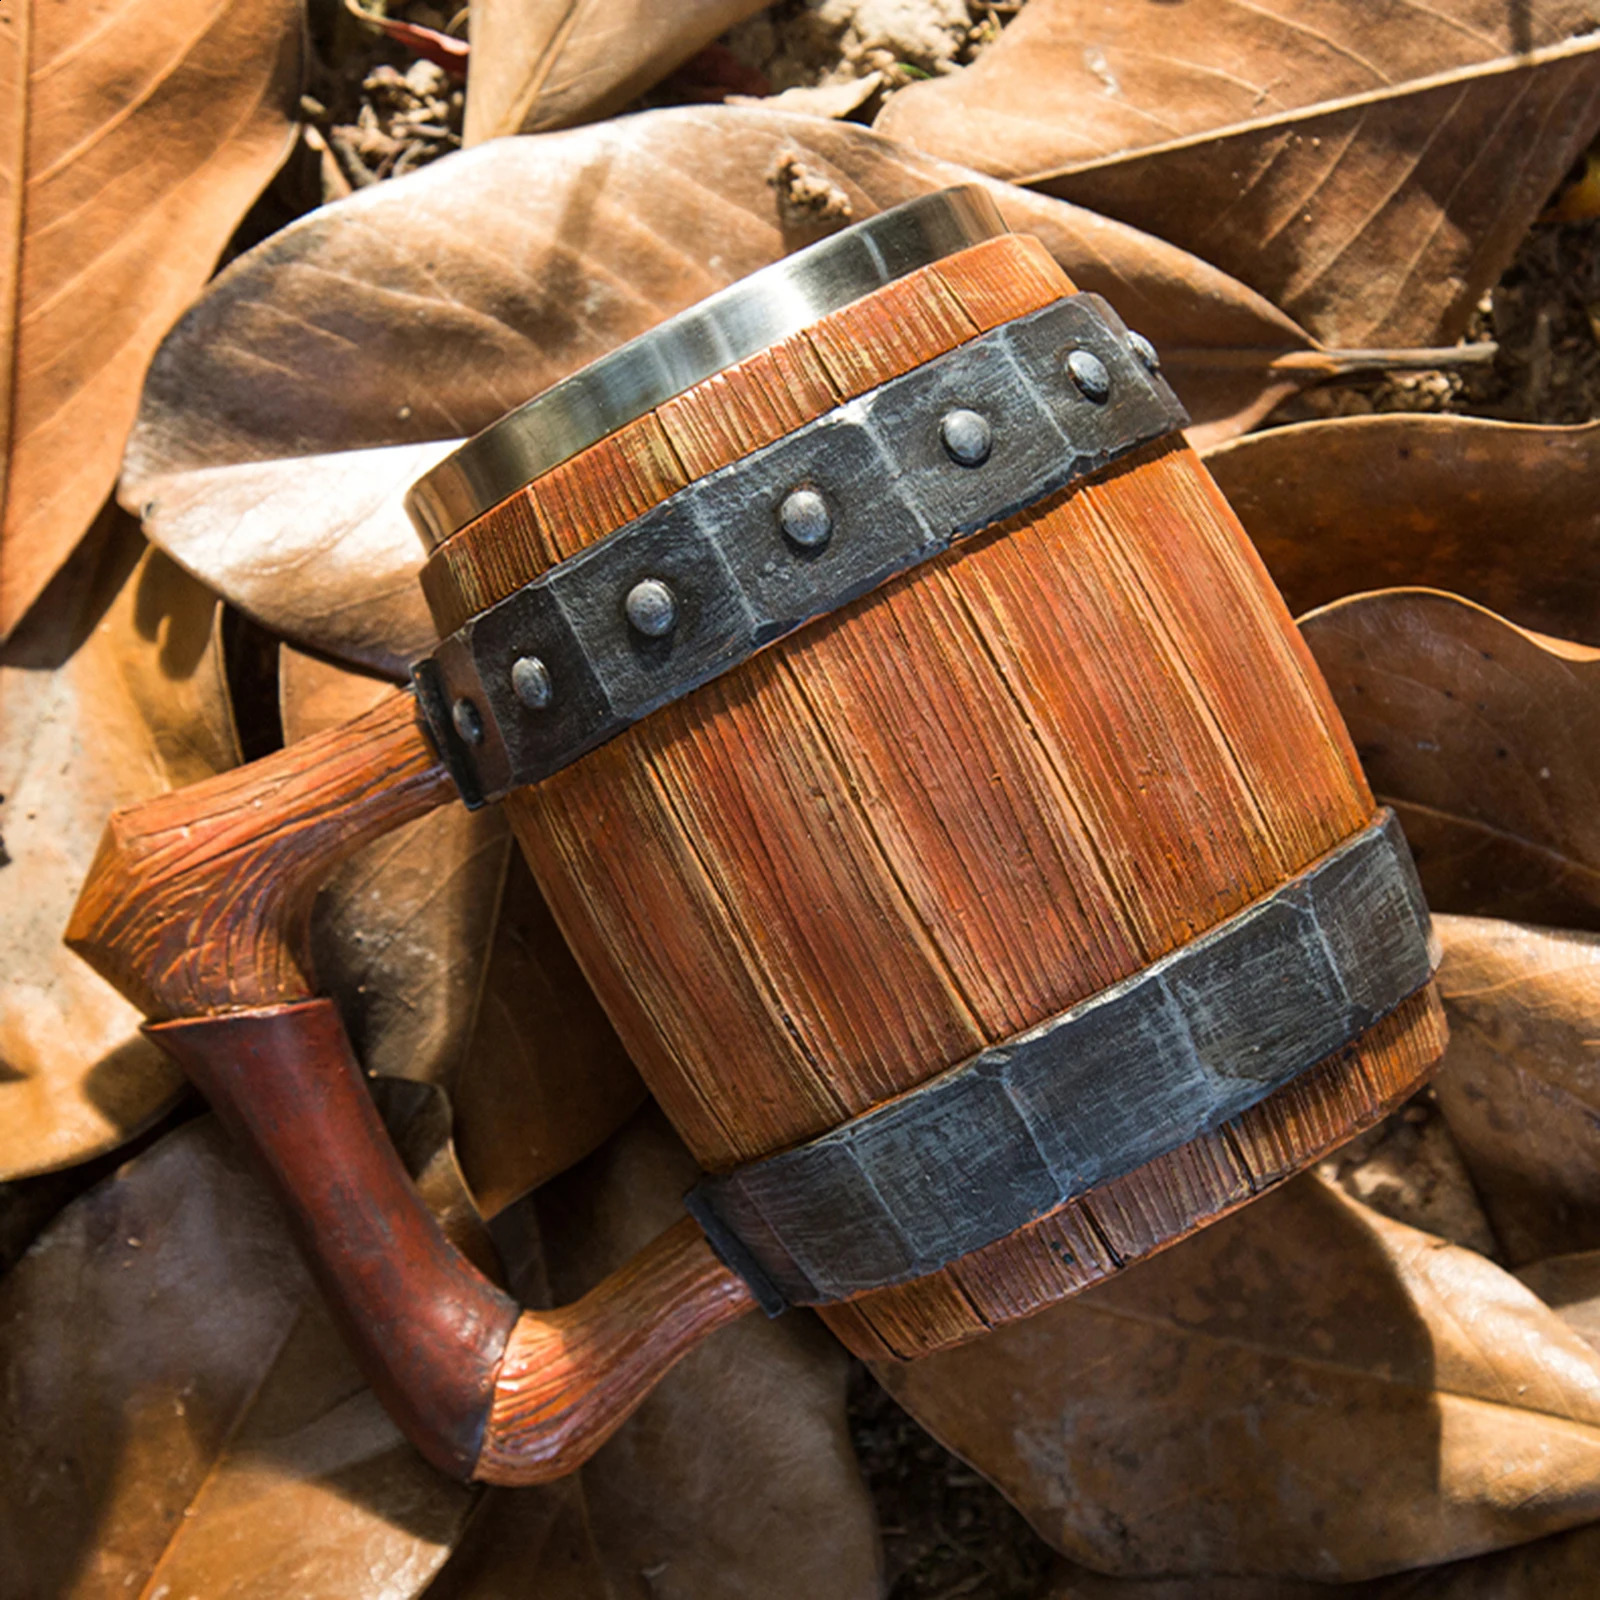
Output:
(930, 783)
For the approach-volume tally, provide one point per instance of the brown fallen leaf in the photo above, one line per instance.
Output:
(1072, 1582)
(135, 135)
(318, 548)
(1571, 1284)
(527, 1542)
(541, 64)
(1520, 1083)
(401, 931)
(1076, 81)
(1370, 169)
(1561, 1567)
(29, 1205)
(111, 691)
(735, 1478)
(448, 968)
(1306, 1390)
(1484, 739)
(288, 412)
(543, 1078)
(181, 1417)
(1410, 1169)
(1380, 219)
(1497, 512)
(817, 100)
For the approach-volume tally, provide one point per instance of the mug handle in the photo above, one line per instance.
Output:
(197, 908)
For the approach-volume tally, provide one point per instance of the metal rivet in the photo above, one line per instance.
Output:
(1088, 371)
(805, 518)
(652, 608)
(1145, 351)
(967, 437)
(530, 677)
(468, 723)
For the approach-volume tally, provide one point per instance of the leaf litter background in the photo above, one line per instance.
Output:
(1363, 233)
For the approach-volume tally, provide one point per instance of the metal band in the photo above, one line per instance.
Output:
(791, 532)
(1133, 1072)
(698, 343)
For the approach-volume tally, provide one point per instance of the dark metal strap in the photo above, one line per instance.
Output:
(791, 532)
(1135, 1071)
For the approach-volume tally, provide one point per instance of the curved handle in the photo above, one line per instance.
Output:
(197, 908)
(482, 1391)
(199, 901)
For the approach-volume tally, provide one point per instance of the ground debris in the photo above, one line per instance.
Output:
(809, 43)
(1409, 1170)
(946, 1530)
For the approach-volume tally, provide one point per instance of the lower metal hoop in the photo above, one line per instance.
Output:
(1170, 1053)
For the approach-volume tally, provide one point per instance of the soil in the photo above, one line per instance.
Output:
(814, 43)
(946, 1531)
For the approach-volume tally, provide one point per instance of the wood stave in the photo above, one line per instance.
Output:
(858, 766)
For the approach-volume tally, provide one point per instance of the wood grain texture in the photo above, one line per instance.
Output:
(751, 404)
(426, 1326)
(197, 907)
(571, 1377)
(482, 1391)
(956, 807)
(1012, 1134)
(938, 816)
(1157, 1205)
(199, 901)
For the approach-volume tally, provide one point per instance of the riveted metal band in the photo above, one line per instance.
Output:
(1131, 1073)
(789, 533)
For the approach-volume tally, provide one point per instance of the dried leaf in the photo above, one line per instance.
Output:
(735, 1477)
(1571, 1285)
(448, 968)
(287, 413)
(28, 1205)
(113, 690)
(1076, 81)
(1558, 1568)
(1369, 168)
(135, 135)
(1377, 220)
(1561, 1567)
(317, 548)
(526, 1543)
(401, 931)
(543, 1079)
(1497, 512)
(1484, 738)
(1072, 1582)
(180, 1415)
(314, 694)
(542, 64)
(818, 100)
(1306, 1390)
(1410, 1169)
(1520, 1084)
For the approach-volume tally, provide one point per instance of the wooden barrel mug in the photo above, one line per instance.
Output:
(930, 783)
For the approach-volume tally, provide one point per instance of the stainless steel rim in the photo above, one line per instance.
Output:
(729, 326)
